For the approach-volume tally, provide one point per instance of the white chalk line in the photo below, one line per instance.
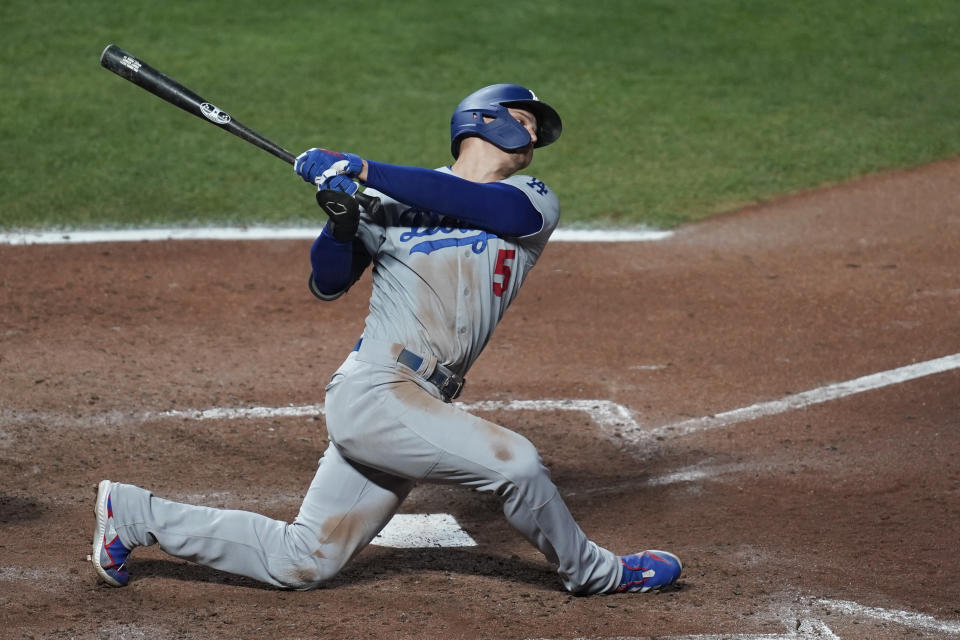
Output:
(84, 236)
(903, 618)
(238, 413)
(807, 627)
(802, 629)
(603, 411)
(695, 473)
(812, 397)
(616, 421)
(687, 475)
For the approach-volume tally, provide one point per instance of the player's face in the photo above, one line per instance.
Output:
(502, 163)
(529, 122)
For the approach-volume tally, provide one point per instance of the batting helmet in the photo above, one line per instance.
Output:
(503, 131)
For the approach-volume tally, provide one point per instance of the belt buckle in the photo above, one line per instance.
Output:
(454, 380)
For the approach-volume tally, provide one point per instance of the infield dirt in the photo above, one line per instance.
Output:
(856, 499)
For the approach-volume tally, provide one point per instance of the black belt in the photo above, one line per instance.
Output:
(446, 381)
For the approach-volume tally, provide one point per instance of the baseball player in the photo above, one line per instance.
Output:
(449, 249)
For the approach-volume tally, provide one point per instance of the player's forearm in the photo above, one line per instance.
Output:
(492, 206)
(332, 263)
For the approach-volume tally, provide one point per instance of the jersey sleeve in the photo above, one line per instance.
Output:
(493, 206)
(545, 201)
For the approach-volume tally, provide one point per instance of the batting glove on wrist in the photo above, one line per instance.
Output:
(318, 165)
(339, 183)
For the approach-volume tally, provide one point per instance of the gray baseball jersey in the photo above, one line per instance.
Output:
(440, 288)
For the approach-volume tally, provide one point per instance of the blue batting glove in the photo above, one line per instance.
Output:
(318, 165)
(340, 183)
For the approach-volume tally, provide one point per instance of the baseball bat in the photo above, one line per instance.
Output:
(137, 71)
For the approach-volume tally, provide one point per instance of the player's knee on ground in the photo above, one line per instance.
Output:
(306, 573)
(303, 575)
(306, 564)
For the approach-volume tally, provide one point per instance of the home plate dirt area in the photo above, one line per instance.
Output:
(773, 395)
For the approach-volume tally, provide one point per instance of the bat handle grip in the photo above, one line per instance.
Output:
(370, 203)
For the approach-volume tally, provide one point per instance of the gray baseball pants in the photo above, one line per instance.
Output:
(389, 429)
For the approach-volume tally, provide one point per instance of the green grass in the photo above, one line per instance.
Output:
(673, 110)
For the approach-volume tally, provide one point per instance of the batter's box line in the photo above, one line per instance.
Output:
(812, 397)
(808, 626)
(616, 420)
(909, 619)
(604, 412)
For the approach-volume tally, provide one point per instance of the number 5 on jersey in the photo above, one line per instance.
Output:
(503, 270)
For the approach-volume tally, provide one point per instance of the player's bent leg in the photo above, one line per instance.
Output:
(347, 505)
(533, 505)
(395, 424)
(298, 555)
(237, 542)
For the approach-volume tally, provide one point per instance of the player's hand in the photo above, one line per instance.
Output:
(318, 165)
(339, 183)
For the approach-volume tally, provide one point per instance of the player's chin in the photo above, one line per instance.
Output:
(523, 157)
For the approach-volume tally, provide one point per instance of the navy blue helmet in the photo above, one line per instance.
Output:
(503, 131)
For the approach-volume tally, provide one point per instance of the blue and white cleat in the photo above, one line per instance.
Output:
(648, 570)
(109, 555)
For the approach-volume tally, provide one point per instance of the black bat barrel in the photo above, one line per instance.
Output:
(128, 66)
(137, 71)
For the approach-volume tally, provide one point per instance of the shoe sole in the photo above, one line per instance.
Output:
(100, 511)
